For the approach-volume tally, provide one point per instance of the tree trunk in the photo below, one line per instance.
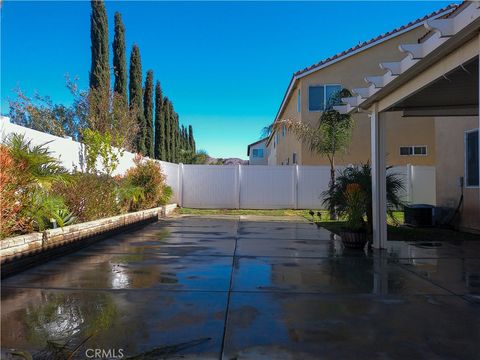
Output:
(333, 213)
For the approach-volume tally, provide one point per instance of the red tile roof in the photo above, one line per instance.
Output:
(380, 37)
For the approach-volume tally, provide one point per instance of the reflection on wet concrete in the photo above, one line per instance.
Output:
(254, 290)
(133, 321)
(313, 326)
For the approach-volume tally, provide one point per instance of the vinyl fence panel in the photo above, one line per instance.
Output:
(173, 180)
(263, 184)
(312, 182)
(210, 186)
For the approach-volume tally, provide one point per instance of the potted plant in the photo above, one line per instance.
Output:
(354, 233)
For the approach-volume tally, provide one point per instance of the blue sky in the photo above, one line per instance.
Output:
(225, 65)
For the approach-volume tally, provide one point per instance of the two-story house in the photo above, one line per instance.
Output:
(310, 88)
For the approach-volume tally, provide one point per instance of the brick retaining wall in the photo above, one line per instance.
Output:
(20, 252)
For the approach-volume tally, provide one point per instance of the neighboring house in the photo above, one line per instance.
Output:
(436, 77)
(310, 88)
(257, 152)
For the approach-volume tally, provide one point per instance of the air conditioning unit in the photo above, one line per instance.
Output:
(419, 215)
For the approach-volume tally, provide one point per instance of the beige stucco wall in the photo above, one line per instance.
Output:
(450, 139)
(349, 73)
(288, 144)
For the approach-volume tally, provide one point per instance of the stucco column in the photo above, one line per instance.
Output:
(379, 194)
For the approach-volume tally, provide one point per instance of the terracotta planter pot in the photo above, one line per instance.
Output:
(354, 239)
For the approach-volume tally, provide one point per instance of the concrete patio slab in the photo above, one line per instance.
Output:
(209, 288)
(312, 326)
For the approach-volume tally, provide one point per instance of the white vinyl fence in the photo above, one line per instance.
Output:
(238, 186)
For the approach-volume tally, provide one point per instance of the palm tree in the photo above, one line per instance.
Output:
(35, 170)
(35, 163)
(329, 137)
(334, 197)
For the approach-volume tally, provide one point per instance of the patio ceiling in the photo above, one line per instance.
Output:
(453, 94)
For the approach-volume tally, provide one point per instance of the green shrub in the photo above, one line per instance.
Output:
(166, 195)
(90, 196)
(147, 175)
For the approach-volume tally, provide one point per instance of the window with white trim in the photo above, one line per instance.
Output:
(471, 158)
(258, 153)
(415, 150)
(284, 130)
(319, 96)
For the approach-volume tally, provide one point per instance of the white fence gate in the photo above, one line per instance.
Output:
(237, 186)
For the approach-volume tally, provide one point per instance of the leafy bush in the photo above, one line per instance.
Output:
(10, 217)
(90, 196)
(129, 195)
(148, 176)
(166, 195)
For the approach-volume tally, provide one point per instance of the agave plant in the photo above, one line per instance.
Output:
(334, 197)
(46, 208)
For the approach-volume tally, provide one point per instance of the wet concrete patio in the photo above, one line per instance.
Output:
(249, 288)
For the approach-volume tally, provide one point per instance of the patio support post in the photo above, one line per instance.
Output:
(379, 193)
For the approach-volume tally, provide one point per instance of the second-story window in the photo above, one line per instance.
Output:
(319, 96)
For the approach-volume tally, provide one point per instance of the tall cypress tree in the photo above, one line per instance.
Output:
(166, 118)
(191, 141)
(100, 70)
(177, 138)
(148, 112)
(173, 138)
(159, 124)
(182, 134)
(136, 97)
(120, 59)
